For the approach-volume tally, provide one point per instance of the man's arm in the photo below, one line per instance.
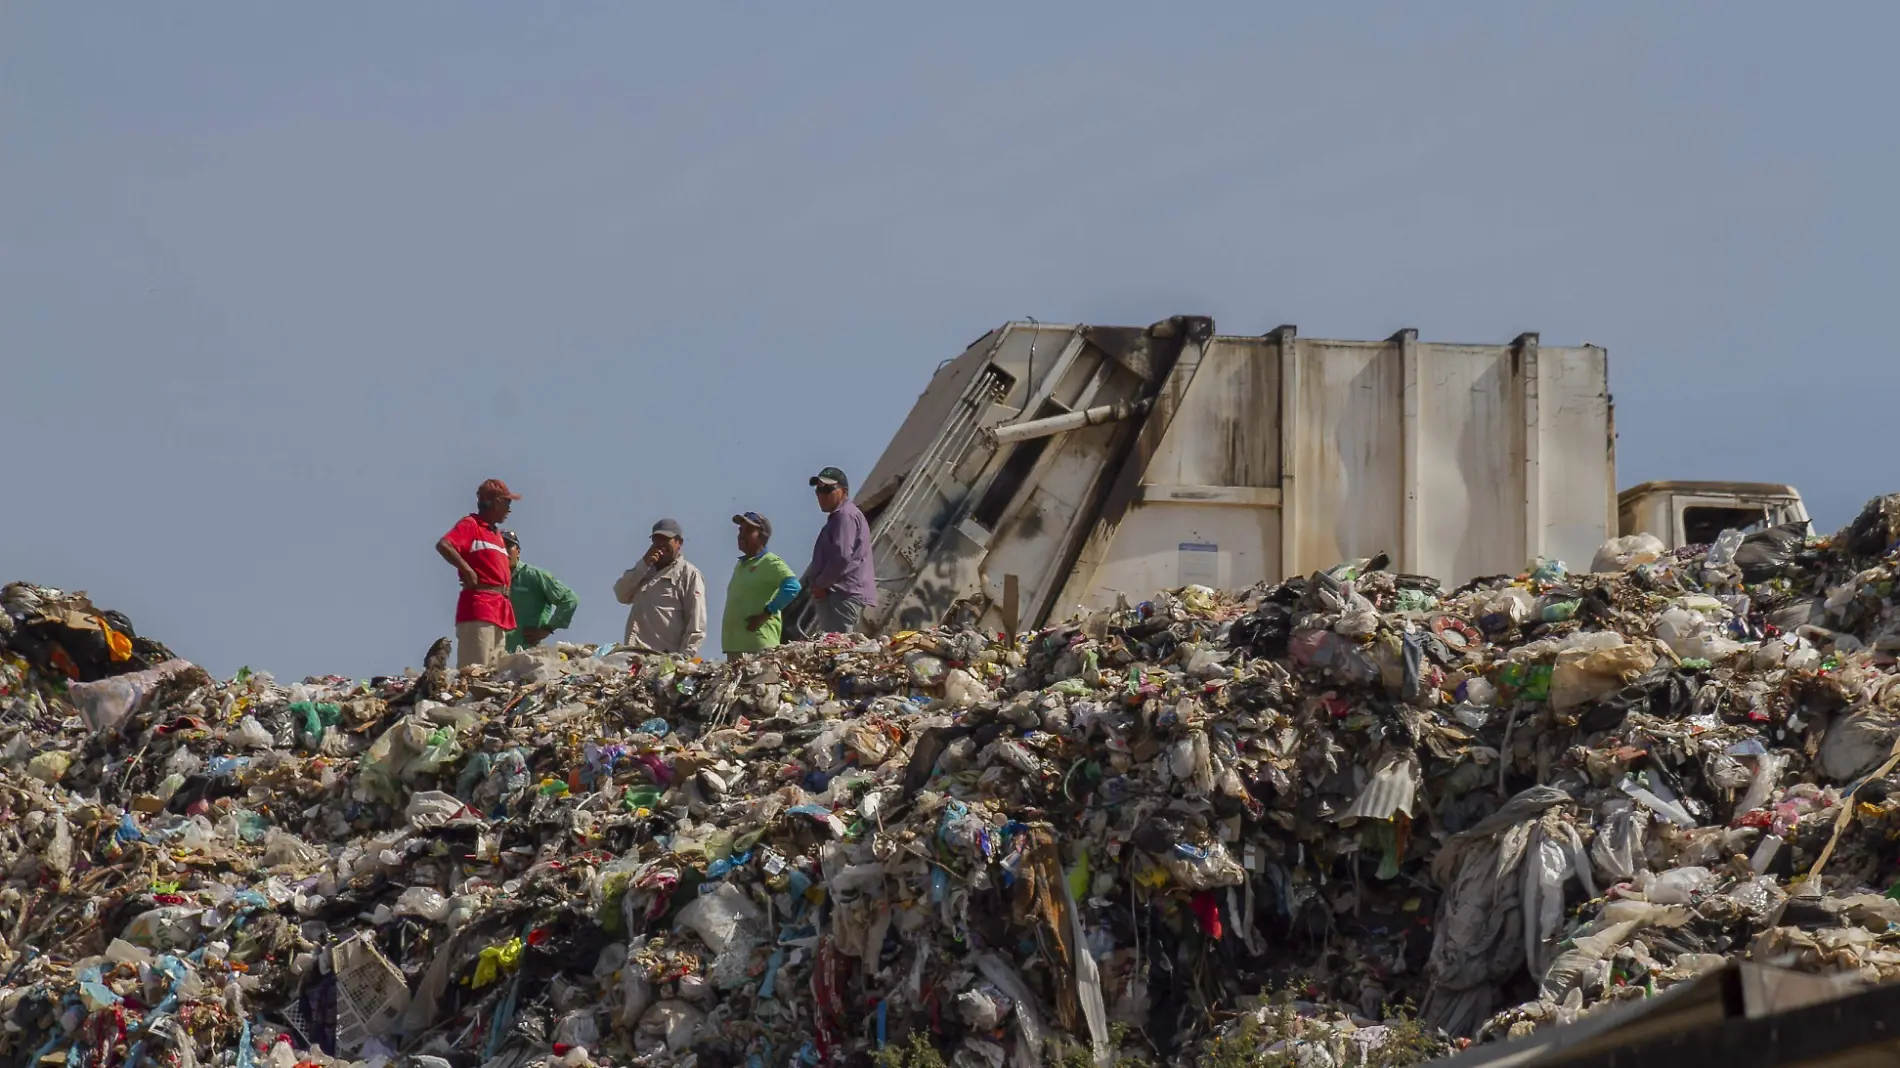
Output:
(694, 611)
(629, 582)
(788, 588)
(561, 601)
(446, 549)
(829, 558)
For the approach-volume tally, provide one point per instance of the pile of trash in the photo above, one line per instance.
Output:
(1501, 805)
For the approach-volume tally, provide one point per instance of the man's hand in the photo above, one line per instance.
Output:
(757, 620)
(818, 593)
(535, 635)
(653, 556)
(470, 579)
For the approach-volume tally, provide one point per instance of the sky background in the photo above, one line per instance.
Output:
(280, 284)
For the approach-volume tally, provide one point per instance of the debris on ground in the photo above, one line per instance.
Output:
(1421, 815)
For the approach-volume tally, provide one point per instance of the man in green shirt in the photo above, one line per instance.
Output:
(762, 585)
(542, 604)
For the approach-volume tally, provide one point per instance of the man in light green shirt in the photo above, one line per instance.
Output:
(543, 604)
(762, 585)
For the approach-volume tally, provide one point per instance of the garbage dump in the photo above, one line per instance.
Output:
(1355, 817)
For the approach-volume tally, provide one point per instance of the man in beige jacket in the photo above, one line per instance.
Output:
(666, 595)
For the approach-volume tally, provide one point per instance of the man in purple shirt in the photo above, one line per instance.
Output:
(840, 578)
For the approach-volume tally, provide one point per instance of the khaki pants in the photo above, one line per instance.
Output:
(477, 644)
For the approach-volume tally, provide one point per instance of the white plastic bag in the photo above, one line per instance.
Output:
(1767, 774)
(282, 847)
(1621, 554)
(105, 703)
(668, 1025)
(1674, 887)
(723, 918)
(1668, 810)
(250, 734)
(1691, 636)
(423, 901)
(429, 809)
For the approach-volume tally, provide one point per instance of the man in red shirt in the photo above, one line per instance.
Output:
(484, 614)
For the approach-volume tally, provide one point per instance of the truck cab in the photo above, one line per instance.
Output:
(1695, 513)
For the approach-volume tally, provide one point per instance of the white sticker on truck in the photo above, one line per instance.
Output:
(1200, 564)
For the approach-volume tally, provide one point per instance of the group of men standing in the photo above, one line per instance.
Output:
(508, 605)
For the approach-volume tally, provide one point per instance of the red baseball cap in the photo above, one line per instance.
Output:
(495, 489)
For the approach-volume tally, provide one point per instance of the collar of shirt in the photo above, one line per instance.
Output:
(658, 572)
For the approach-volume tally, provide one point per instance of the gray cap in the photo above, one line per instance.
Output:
(669, 528)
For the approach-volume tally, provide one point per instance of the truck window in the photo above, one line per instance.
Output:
(1702, 524)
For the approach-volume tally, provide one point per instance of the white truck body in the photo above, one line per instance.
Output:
(1080, 464)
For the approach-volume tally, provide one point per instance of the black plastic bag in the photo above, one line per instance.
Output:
(1767, 553)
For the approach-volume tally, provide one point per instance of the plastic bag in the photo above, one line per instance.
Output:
(1621, 554)
(439, 751)
(1855, 744)
(379, 772)
(1762, 787)
(1617, 852)
(983, 1007)
(577, 1028)
(1358, 624)
(105, 704)
(1584, 675)
(1691, 637)
(166, 927)
(1480, 692)
(1547, 865)
(723, 918)
(282, 847)
(1674, 887)
(429, 809)
(1669, 810)
(1547, 571)
(423, 901)
(1757, 895)
(1510, 607)
(1722, 552)
(670, 1025)
(1203, 868)
(962, 690)
(250, 734)
(1767, 553)
(925, 670)
(871, 745)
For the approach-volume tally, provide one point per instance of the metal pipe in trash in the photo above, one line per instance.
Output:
(1056, 424)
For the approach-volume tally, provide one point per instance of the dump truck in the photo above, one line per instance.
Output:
(1054, 470)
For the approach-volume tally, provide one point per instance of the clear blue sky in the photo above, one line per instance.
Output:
(280, 284)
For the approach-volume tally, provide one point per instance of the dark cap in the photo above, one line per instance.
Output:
(669, 528)
(509, 537)
(755, 521)
(495, 490)
(830, 477)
